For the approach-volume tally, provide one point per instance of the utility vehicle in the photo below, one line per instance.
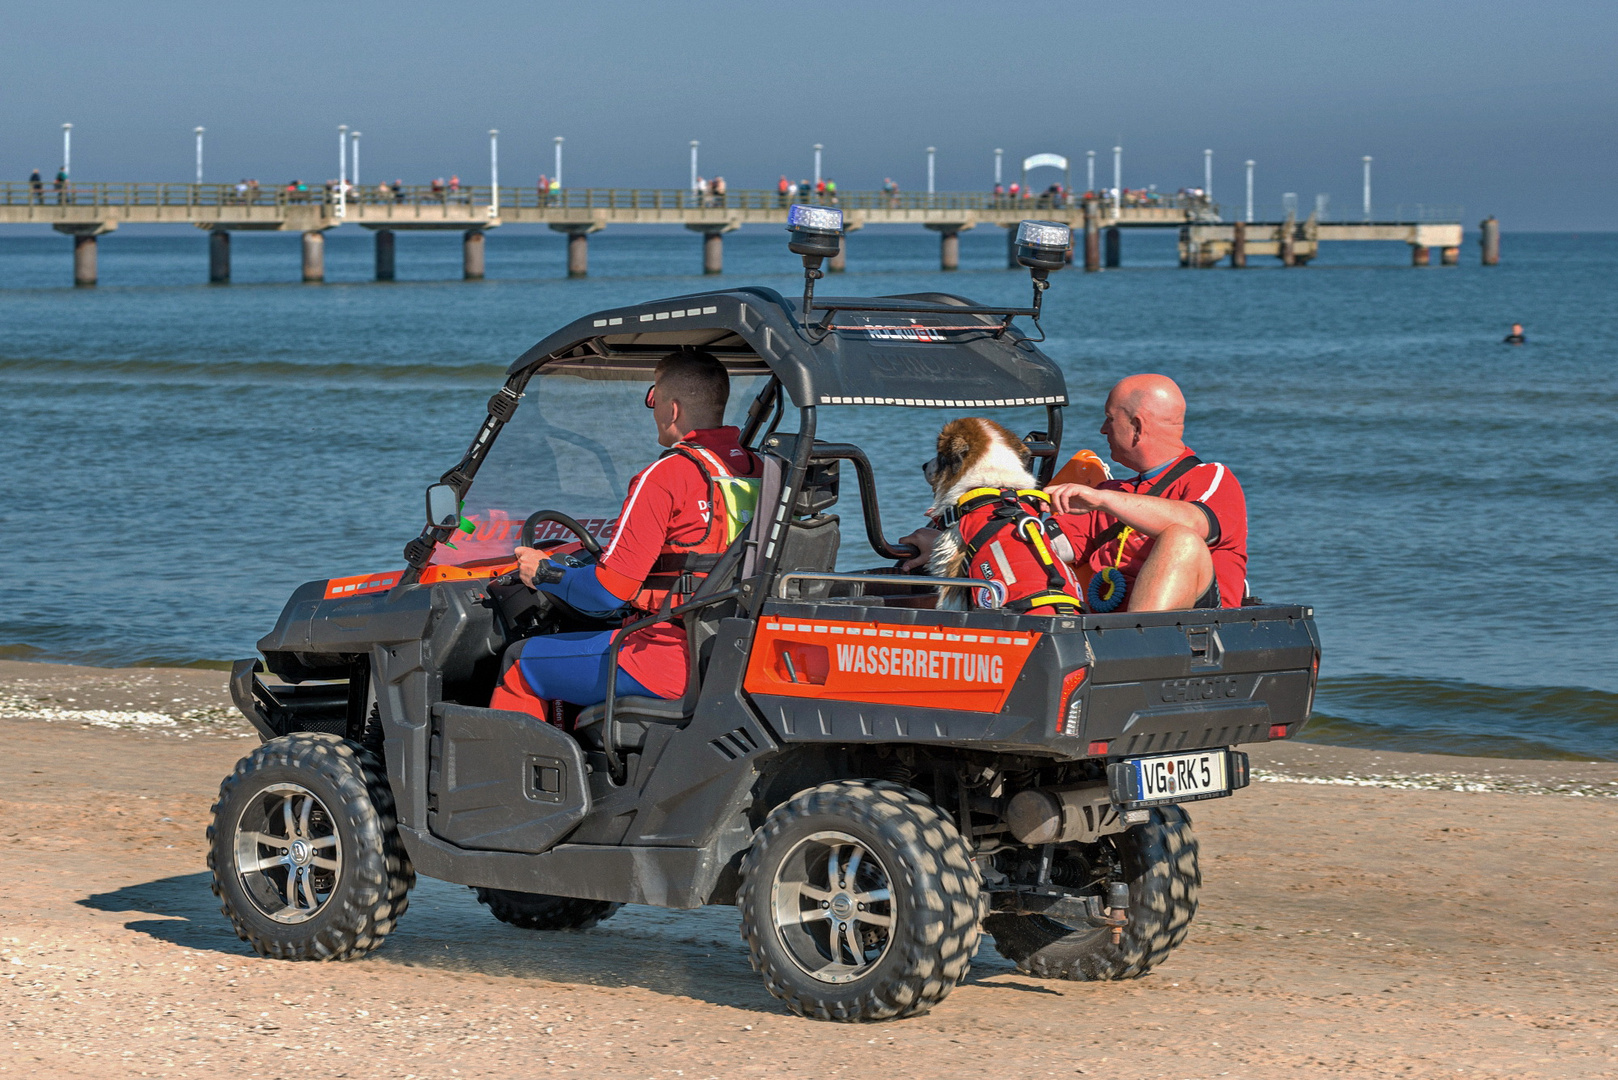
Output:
(870, 778)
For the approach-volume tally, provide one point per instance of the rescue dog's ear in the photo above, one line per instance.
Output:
(953, 450)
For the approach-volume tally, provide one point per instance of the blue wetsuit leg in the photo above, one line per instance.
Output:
(573, 667)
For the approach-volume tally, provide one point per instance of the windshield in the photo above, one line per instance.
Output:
(572, 445)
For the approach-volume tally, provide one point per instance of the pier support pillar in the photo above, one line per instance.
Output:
(84, 259)
(1115, 247)
(1490, 241)
(84, 248)
(314, 256)
(713, 244)
(1011, 248)
(1450, 256)
(1421, 255)
(578, 246)
(1238, 245)
(1092, 238)
(218, 256)
(384, 255)
(839, 262)
(472, 255)
(1289, 241)
(949, 243)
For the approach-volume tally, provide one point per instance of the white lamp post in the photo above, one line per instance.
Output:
(558, 142)
(1117, 180)
(1367, 160)
(817, 166)
(342, 169)
(494, 172)
(694, 145)
(997, 153)
(354, 164)
(1207, 174)
(67, 149)
(1249, 191)
(931, 150)
(199, 154)
(1089, 170)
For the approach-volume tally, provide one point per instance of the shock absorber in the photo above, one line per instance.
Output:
(899, 773)
(1118, 907)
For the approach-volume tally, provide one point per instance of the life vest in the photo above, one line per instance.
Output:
(732, 502)
(1007, 535)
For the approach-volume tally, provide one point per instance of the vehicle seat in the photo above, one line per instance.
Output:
(634, 716)
(810, 544)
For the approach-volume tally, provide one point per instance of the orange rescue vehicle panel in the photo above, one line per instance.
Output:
(931, 667)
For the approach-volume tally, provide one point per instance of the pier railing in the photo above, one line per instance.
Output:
(221, 195)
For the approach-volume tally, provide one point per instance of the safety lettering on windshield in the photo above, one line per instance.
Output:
(935, 667)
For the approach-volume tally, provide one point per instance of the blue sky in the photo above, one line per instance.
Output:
(1505, 108)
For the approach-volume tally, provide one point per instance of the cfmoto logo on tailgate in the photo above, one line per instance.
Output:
(1177, 690)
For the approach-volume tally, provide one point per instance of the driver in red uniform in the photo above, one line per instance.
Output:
(691, 500)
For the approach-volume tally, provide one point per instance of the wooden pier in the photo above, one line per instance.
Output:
(87, 211)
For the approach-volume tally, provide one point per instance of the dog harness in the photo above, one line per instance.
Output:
(1007, 535)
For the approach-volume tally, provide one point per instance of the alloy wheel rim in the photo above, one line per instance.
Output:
(288, 855)
(832, 901)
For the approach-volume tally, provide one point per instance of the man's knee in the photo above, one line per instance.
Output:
(1180, 542)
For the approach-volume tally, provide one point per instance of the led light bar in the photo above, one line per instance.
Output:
(1042, 245)
(821, 220)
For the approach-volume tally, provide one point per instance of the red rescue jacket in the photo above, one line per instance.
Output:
(1007, 538)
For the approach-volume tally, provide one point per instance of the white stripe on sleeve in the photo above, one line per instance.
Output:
(1219, 475)
(623, 518)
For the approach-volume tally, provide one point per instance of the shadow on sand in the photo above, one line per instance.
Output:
(697, 954)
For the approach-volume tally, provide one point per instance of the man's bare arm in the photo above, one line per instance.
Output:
(1149, 514)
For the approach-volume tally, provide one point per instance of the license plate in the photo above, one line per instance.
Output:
(1171, 778)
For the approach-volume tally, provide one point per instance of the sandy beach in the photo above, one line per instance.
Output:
(1363, 914)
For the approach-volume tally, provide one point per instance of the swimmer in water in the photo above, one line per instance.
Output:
(1516, 336)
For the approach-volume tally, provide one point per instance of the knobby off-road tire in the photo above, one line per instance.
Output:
(541, 911)
(1160, 863)
(859, 901)
(328, 799)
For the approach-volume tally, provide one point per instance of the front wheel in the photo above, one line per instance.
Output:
(1159, 861)
(859, 901)
(305, 852)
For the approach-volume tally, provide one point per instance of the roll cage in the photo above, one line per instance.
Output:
(925, 350)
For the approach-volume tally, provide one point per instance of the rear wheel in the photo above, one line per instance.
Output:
(541, 911)
(859, 901)
(1159, 860)
(305, 851)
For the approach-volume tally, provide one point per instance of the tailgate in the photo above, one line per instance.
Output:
(1178, 680)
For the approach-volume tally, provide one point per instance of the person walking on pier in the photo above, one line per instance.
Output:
(783, 189)
(61, 183)
(38, 187)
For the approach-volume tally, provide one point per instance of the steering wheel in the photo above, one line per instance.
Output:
(526, 538)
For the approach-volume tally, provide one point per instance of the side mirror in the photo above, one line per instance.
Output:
(443, 507)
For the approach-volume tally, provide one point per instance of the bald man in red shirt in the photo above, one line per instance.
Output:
(1177, 531)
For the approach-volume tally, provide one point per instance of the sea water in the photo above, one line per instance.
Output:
(177, 457)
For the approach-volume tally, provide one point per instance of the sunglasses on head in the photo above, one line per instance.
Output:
(651, 402)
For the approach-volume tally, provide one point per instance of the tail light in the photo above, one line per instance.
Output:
(1070, 709)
